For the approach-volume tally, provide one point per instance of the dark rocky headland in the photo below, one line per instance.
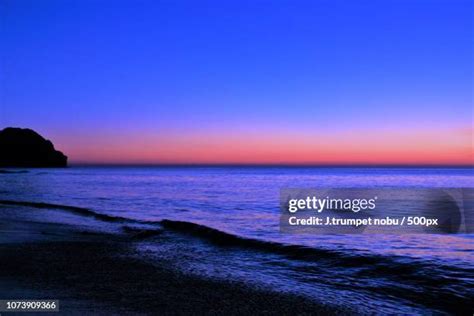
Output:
(23, 147)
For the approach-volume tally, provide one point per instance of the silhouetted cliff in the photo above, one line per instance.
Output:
(21, 147)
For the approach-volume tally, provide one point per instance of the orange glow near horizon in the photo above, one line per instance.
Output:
(365, 147)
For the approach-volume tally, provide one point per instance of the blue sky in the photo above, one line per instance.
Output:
(161, 70)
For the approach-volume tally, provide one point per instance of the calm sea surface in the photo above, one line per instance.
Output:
(245, 202)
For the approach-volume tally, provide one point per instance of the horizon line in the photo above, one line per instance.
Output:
(267, 165)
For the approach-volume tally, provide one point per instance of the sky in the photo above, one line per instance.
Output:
(251, 82)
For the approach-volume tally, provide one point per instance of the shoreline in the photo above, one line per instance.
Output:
(93, 272)
(115, 265)
(101, 280)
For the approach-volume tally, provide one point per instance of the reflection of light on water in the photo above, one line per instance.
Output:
(242, 201)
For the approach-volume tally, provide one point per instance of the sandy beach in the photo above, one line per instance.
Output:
(122, 240)
(96, 272)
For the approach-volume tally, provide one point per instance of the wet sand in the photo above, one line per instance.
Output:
(99, 273)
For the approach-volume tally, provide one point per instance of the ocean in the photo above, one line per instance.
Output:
(223, 223)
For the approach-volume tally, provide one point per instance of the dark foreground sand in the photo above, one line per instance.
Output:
(98, 274)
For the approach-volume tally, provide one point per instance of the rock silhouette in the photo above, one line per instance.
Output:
(22, 147)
